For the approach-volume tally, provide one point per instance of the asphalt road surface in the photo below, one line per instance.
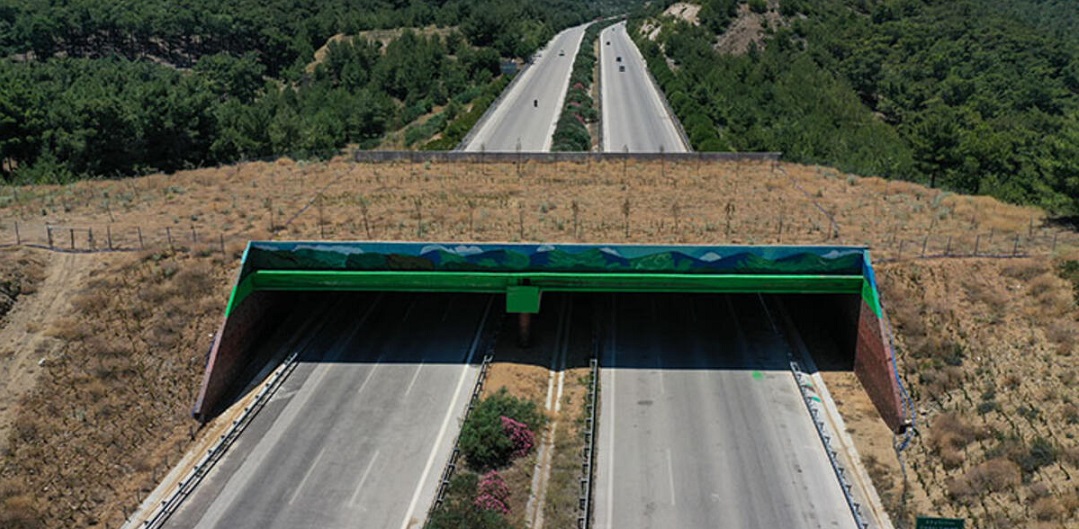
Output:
(702, 425)
(358, 435)
(634, 118)
(526, 117)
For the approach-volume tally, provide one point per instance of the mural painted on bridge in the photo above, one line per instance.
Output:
(404, 257)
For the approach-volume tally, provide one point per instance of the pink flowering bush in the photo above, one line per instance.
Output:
(499, 430)
(520, 435)
(492, 493)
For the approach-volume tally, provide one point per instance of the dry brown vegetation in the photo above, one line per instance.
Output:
(987, 344)
(112, 409)
(982, 349)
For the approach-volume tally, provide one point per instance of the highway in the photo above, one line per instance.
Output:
(526, 117)
(358, 435)
(634, 118)
(702, 425)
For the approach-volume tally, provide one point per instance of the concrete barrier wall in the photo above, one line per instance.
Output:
(874, 368)
(229, 355)
(554, 157)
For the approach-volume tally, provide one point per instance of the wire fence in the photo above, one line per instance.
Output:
(112, 237)
(624, 198)
(1040, 242)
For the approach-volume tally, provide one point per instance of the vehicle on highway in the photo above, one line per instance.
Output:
(608, 43)
(621, 67)
(561, 53)
(535, 102)
(619, 59)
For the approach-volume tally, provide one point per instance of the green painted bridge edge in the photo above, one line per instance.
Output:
(522, 287)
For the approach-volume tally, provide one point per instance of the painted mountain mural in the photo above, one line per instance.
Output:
(384, 256)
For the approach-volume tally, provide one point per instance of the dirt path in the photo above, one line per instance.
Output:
(25, 345)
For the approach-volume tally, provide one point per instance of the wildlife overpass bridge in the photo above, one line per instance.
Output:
(273, 271)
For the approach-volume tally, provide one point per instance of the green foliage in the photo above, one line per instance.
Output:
(483, 440)
(571, 131)
(104, 89)
(456, 131)
(1070, 270)
(976, 96)
(458, 511)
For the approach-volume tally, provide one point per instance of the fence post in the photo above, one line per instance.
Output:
(141, 245)
(925, 243)
(948, 249)
(18, 238)
(194, 236)
(90, 238)
(1015, 248)
(899, 257)
(168, 235)
(977, 241)
(1052, 250)
(222, 235)
(108, 235)
(72, 233)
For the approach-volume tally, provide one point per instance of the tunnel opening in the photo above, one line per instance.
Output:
(831, 291)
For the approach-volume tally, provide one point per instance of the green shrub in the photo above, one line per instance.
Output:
(484, 441)
(459, 509)
(1041, 453)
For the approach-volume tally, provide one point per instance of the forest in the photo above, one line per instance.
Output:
(975, 96)
(126, 87)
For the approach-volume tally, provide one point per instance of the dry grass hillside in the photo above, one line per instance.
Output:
(986, 342)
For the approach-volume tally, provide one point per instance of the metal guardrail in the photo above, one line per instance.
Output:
(451, 466)
(187, 485)
(833, 457)
(584, 507)
(555, 157)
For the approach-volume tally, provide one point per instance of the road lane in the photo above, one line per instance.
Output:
(702, 425)
(634, 118)
(525, 118)
(346, 442)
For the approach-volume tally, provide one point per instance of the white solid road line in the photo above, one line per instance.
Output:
(363, 479)
(670, 477)
(610, 438)
(306, 476)
(449, 415)
(564, 351)
(605, 117)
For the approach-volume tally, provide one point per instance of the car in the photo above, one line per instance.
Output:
(619, 59)
(561, 53)
(608, 43)
(621, 67)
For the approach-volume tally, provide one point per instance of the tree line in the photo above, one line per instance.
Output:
(977, 96)
(123, 88)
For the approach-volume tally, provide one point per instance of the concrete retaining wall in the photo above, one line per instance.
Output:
(229, 355)
(874, 368)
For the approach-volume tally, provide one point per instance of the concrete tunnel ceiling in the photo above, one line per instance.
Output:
(523, 272)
